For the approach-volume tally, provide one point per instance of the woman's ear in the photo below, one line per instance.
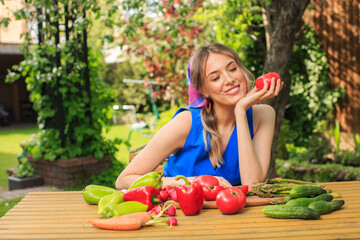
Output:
(203, 92)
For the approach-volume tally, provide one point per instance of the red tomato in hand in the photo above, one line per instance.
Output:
(231, 200)
(267, 77)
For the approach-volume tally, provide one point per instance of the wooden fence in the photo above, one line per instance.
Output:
(337, 25)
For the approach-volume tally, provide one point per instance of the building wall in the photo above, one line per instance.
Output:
(337, 24)
(12, 33)
(14, 98)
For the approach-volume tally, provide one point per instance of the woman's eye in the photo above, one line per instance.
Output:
(216, 78)
(233, 69)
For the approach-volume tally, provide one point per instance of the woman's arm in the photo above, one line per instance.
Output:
(254, 154)
(169, 139)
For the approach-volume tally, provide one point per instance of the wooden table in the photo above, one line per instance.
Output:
(61, 215)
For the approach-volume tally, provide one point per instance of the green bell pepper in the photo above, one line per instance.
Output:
(93, 193)
(153, 179)
(115, 198)
(114, 210)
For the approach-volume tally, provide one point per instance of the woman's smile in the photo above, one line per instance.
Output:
(232, 91)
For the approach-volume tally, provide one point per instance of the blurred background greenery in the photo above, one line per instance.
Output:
(154, 43)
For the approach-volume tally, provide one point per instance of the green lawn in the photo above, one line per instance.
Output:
(10, 139)
(8, 204)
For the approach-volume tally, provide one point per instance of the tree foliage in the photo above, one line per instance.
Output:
(61, 73)
(239, 25)
(163, 34)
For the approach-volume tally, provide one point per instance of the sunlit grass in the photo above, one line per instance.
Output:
(6, 205)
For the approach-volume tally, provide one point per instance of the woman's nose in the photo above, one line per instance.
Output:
(228, 78)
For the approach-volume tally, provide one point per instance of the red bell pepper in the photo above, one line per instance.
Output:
(190, 197)
(230, 200)
(211, 192)
(206, 180)
(147, 195)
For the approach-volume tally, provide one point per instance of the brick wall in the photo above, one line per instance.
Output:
(66, 173)
(337, 25)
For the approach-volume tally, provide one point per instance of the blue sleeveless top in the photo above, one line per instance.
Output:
(193, 160)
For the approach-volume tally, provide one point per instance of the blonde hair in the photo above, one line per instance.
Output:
(208, 120)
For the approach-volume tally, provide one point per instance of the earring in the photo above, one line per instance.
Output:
(208, 108)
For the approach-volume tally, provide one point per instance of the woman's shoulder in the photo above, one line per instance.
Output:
(263, 109)
(263, 113)
(181, 121)
(186, 114)
(183, 114)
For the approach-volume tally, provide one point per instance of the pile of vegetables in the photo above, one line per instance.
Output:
(147, 202)
(144, 204)
(305, 202)
(206, 187)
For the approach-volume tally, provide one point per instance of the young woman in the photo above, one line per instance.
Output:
(223, 132)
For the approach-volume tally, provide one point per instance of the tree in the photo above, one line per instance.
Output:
(61, 73)
(284, 18)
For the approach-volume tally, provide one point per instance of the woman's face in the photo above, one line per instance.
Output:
(225, 82)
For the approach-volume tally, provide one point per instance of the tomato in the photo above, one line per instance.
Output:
(267, 77)
(230, 200)
(206, 180)
(244, 189)
(211, 192)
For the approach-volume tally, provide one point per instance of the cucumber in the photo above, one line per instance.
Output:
(284, 211)
(324, 207)
(306, 191)
(306, 201)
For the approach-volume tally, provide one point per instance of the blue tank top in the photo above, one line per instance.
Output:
(193, 160)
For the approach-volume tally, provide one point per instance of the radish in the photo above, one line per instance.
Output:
(171, 211)
(173, 195)
(163, 196)
(172, 221)
(167, 188)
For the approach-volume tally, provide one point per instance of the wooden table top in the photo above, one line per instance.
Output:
(61, 215)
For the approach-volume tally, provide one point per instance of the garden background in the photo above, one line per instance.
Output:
(79, 94)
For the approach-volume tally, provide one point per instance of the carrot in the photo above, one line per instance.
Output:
(121, 223)
(142, 216)
(131, 221)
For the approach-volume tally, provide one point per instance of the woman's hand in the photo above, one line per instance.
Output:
(255, 96)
